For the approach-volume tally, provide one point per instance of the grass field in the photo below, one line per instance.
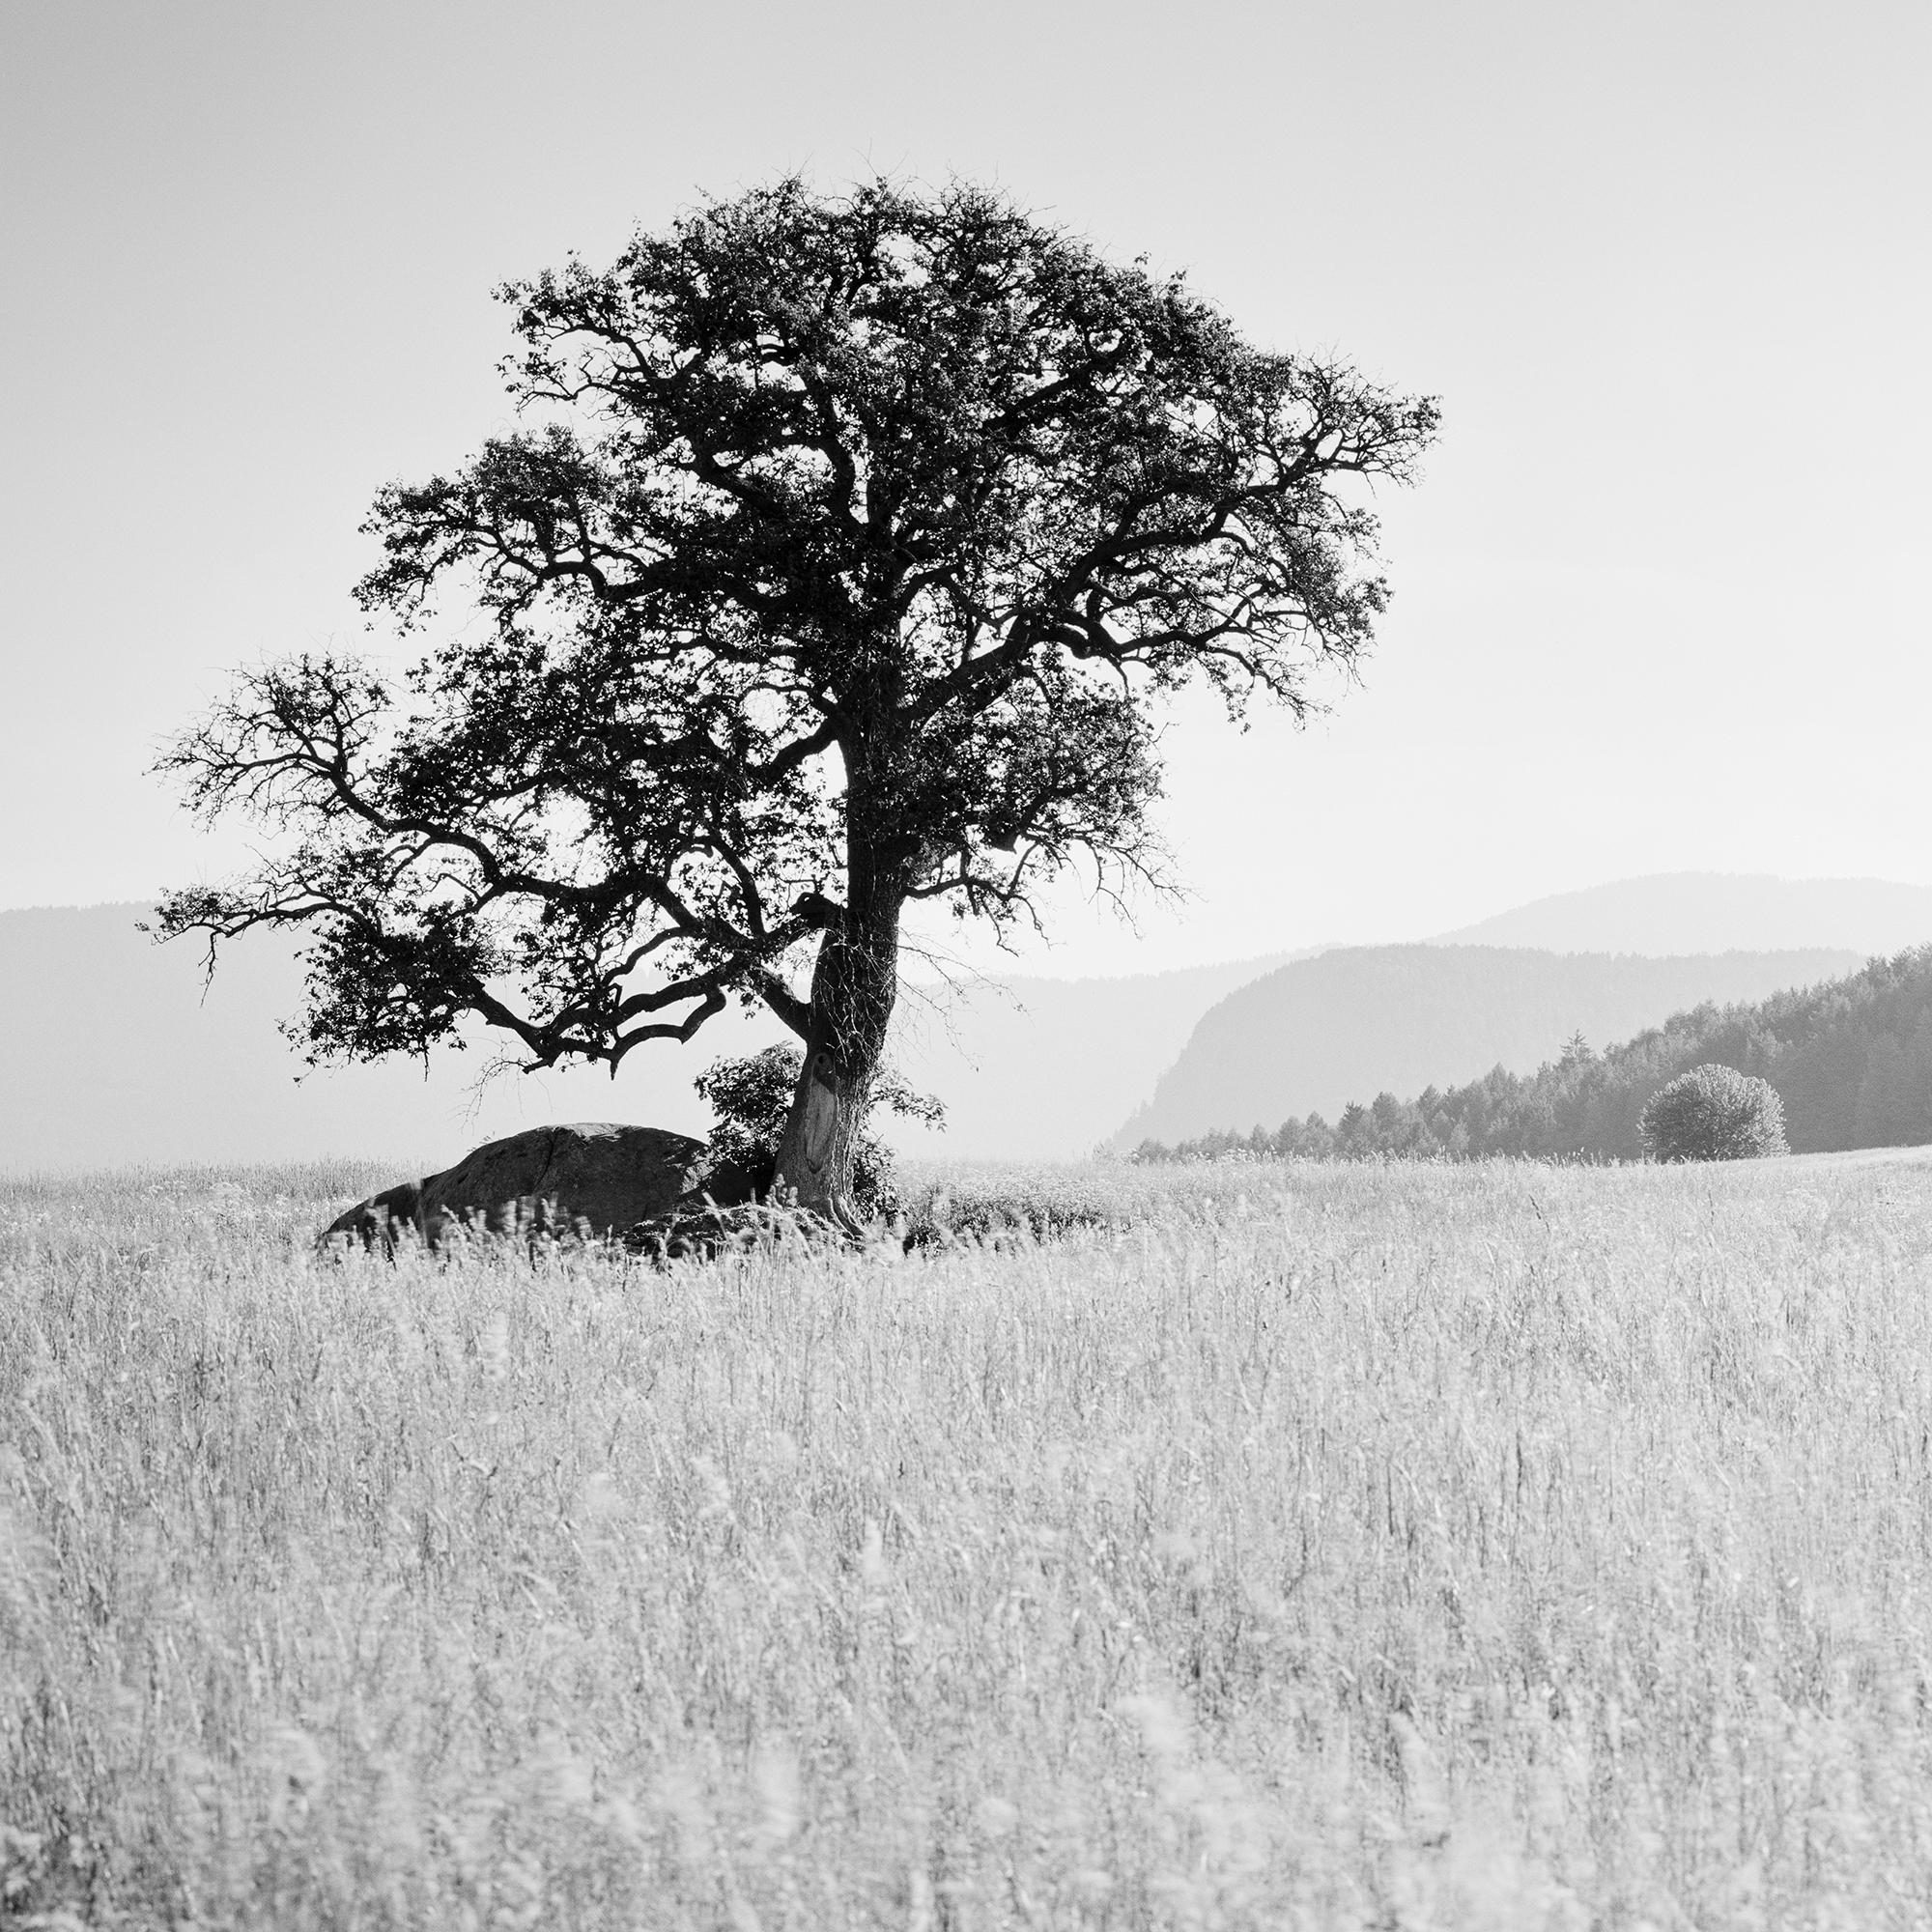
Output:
(1492, 1546)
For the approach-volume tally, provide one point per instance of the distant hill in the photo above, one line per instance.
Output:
(1354, 1021)
(1035, 1068)
(1851, 1060)
(1715, 912)
(111, 1056)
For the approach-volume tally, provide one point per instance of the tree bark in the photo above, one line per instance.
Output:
(853, 989)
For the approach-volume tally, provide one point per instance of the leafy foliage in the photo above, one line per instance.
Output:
(1713, 1113)
(752, 1096)
(1849, 1062)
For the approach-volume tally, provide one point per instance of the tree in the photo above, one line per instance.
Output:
(843, 562)
(1713, 1113)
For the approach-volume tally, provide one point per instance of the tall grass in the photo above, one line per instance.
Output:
(1493, 1546)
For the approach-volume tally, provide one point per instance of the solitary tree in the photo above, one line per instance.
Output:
(846, 553)
(1713, 1113)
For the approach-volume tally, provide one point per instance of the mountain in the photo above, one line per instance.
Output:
(1715, 912)
(112, 1057)
(1034, 1068)
(1356, 1021)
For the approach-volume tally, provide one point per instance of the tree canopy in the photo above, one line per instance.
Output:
(844, 552)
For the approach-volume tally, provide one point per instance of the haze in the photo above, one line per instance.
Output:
(1657, 599)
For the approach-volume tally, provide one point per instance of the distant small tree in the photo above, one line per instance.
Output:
(1713, 1113)
(752, 1097)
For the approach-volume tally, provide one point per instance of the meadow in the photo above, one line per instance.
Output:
(1391, 1546)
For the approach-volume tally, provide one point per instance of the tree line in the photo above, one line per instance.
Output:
(1851, 1059)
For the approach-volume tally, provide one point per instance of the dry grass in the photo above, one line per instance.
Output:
(1332, 1546)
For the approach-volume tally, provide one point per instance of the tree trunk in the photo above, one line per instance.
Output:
(853, 988)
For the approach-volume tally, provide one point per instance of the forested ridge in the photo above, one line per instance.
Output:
(1851, 1060)
(1355, 1021)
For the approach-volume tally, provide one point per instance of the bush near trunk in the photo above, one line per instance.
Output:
(1715, 1113)
(752, 1097)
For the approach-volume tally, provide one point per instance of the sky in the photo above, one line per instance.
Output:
(1659, 595)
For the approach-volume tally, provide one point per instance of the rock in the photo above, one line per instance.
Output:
(380, 1217)
(593, 1178)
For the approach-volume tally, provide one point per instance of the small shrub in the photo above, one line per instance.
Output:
(753, 1095)
(1713, 1113)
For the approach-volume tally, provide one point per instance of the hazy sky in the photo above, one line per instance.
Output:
(1658, 599)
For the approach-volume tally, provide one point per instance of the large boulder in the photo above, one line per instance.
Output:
(597, 1177)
